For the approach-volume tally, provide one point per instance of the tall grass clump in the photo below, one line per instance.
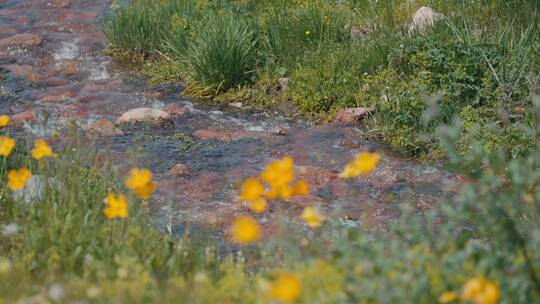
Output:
(224, 55)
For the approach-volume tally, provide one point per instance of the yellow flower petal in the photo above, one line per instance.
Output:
(363, 163)
(140, 182)
(116, 206)
(245, 230)
(6, 145)
(145, 191)
(17, 179)
(481, 291)
(313, 217)
(252, 190)
(448, 297)
(42, 149)
(4, 120)
(286, 288)
(138, 178)
(258, 206)
(301, 188)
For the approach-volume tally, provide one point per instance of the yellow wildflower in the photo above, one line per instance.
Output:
(258, 206)
(145, 191)
(252, 190)
(245, 230)
(286, 288)
(307, 33)
(279, 172)
(140, 182)
(313, 217)
(480, 290)
(363, 163)
(42, 149)
(6, 145)
(301, 188)
(448, 296)
(4, 120)
(116, 206)
(17, 179)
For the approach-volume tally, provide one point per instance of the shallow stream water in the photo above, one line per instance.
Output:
(56, 72)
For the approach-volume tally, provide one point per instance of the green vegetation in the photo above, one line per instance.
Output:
(59, 247)
(481, 59)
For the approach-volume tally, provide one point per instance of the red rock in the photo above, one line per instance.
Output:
(22, 71)
(23, 20)
(104, 127)
(56, 98)
(209, 134)
(29, 116)
(69, 67)
(27, 40)
(59, 3)
(175, 109)
(179, 170)
(351, 115)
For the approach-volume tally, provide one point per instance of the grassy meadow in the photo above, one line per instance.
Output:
(464, 90)
(479, 62)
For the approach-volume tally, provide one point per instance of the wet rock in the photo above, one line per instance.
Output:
(175, 109)
(36, 187)
(26, 116)
(69, 67)
(179, 170)
(144, 115)
(27, 40)
(423, 18)
(104, 127)
(25, 71)
(209, 135)
(351, 115)
(56, 98)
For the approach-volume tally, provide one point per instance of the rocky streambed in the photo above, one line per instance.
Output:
(54, 72)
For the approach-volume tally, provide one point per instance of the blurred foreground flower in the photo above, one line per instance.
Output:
(258, 206)
(313, 217)
(4, 120)
(286, 288)
(363, 163)
(116, 206)
(448, 297)
(42, 149)
(480, 290)
(17, 179)
(245, 230)
(6, 145)
(278, 175)
(140, 182)
(252, 190)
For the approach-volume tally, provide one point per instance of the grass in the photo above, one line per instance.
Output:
(339, 54)
(61, 248)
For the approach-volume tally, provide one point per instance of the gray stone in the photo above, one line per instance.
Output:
(36, 187)
(144, 115)
(423, 18)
